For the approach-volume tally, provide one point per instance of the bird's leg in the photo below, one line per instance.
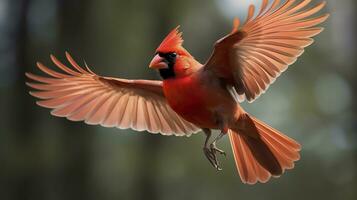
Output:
(207, 150)
(210, 155)
(213, 146)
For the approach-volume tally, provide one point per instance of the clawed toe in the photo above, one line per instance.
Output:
(211, 150)
(212, 158)
(214, 149)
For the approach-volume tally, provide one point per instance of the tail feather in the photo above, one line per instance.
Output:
(282, 150)
(285, 140)
(263, 154)
(268, 153)
(250, 171)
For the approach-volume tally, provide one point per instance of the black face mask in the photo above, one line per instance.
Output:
(170, 59)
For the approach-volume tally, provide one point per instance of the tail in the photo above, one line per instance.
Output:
(261, 151)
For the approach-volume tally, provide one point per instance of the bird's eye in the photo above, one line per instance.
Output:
(172, 55)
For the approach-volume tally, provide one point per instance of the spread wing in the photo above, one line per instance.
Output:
(253, 56)
(81, 95)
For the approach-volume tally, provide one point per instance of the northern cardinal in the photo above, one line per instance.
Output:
(192, 96)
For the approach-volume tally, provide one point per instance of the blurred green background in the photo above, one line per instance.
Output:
(43, 157)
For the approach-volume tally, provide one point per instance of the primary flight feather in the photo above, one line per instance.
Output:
(193, 96)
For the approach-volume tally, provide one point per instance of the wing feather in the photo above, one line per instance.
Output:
(265, 45)
(81, 95)
(112, 103)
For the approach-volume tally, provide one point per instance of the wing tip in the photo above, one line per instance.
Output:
(32, 94)
(67, 53)
(236, 23)
(39, 65)
(53, 58)
(324, 3)
(39, 103)
(28, 75)
(326, 16)
(30, 84)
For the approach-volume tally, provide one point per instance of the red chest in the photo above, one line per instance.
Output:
(187, 97)
(182, 94)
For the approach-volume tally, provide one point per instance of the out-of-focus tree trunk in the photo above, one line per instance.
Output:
(354, 79)
(27, 184)
(77, 138)
(22, 115)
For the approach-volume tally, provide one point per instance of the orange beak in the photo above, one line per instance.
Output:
(158, 63)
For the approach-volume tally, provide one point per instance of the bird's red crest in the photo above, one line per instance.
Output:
(173, 41)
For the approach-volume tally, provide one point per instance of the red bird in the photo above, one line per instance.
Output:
(194, 97)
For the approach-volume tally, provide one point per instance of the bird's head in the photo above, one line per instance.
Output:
(171, 59)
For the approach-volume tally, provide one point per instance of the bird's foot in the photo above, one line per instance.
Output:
(212, 158)
(211, 150)
(215, 150)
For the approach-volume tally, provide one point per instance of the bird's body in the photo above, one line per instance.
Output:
(194, 96)
(201, 98)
